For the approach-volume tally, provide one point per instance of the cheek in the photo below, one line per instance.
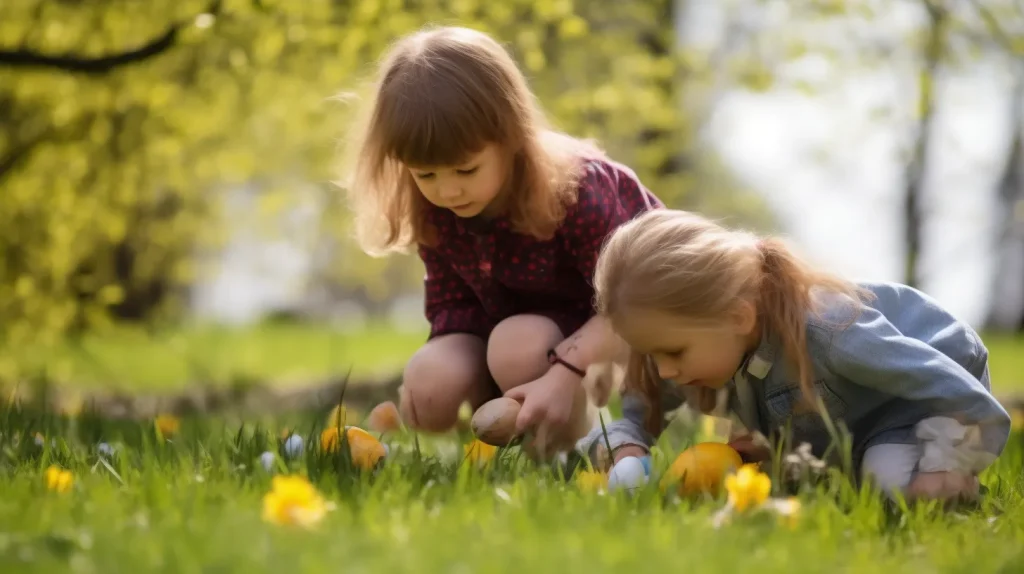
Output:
(487, 185)
(714, 364)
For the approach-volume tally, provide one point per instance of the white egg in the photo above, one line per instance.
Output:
(293, 446)
(629, 473)
(267, 460)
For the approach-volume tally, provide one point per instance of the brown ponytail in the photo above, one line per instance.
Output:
(785, 301)
(643, 380)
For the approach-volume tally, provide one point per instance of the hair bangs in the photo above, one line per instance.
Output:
(436, 123)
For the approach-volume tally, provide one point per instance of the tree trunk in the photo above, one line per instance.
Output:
(938, 19)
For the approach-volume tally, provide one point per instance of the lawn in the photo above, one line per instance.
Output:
(285, 354)
(171, 359)
(194, 504)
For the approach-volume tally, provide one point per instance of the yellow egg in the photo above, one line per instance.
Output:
(702, 468)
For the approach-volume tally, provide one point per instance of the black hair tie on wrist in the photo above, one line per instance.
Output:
(553, 358)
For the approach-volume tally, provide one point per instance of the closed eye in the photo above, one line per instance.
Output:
(427, 175)
(469, 171)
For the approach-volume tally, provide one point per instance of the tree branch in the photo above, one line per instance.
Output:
(25, 58)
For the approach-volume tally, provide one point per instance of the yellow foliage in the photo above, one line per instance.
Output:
(111, 179)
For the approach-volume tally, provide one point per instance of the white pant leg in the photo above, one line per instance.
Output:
(891, 466)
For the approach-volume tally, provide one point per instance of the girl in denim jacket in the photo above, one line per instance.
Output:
(709, 311)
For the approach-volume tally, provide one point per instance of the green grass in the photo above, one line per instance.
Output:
(194, 505)
(283, 353)
(1006, 362)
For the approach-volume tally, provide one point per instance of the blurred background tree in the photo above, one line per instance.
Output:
(124, 121)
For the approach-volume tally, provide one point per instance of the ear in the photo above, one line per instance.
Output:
(744, 317)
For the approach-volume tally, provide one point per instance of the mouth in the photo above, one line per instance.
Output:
(460, 207)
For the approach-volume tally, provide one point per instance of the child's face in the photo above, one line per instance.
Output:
(467, 189)
(688, 352)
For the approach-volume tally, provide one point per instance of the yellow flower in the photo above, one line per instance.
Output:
(292, 500)
(366, 450)
(479, 452)
(748, 487)
(591, 481)
(167, 425)
(58, 479)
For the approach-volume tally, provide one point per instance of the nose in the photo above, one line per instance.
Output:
(449, 190)
(666, 369)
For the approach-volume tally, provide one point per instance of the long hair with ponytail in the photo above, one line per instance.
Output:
(686, 266)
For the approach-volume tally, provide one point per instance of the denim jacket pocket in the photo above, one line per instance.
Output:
(786, 405)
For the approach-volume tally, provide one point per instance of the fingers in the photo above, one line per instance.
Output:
(527, 418)
(517, 393)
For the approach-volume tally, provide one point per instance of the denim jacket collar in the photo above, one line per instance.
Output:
(759, 363)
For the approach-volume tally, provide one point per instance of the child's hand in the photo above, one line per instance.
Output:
(943, 486)
(547, 405)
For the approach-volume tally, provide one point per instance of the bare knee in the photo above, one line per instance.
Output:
(517, 349)
(439, 377)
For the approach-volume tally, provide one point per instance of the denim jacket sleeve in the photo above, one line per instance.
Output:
(629, 430)
(872, 352)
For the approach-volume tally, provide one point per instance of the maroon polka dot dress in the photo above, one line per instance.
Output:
(482, 271)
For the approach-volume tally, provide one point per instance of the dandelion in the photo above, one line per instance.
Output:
(384, 418)
(366, 450)
(167, 425)
(479, 452)
(591, 481)
(292, 500)
(58, 479)
(748, 488)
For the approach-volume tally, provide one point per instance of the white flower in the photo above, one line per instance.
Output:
(105, 449)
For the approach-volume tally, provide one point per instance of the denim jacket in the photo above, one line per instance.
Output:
(903, 359)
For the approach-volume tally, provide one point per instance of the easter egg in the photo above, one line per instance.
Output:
(267, 460)
(629, 473)
(494, 422)
(365, 449)
(702, 468)
(293, 446)
(384, 418)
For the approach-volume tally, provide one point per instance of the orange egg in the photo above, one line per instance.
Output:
(384, 418)
(366, 450)
(702, 468)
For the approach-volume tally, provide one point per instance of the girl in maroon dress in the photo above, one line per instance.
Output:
(508, 216)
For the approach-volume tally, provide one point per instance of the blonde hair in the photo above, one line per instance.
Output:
(687, 266)
(443, 94)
